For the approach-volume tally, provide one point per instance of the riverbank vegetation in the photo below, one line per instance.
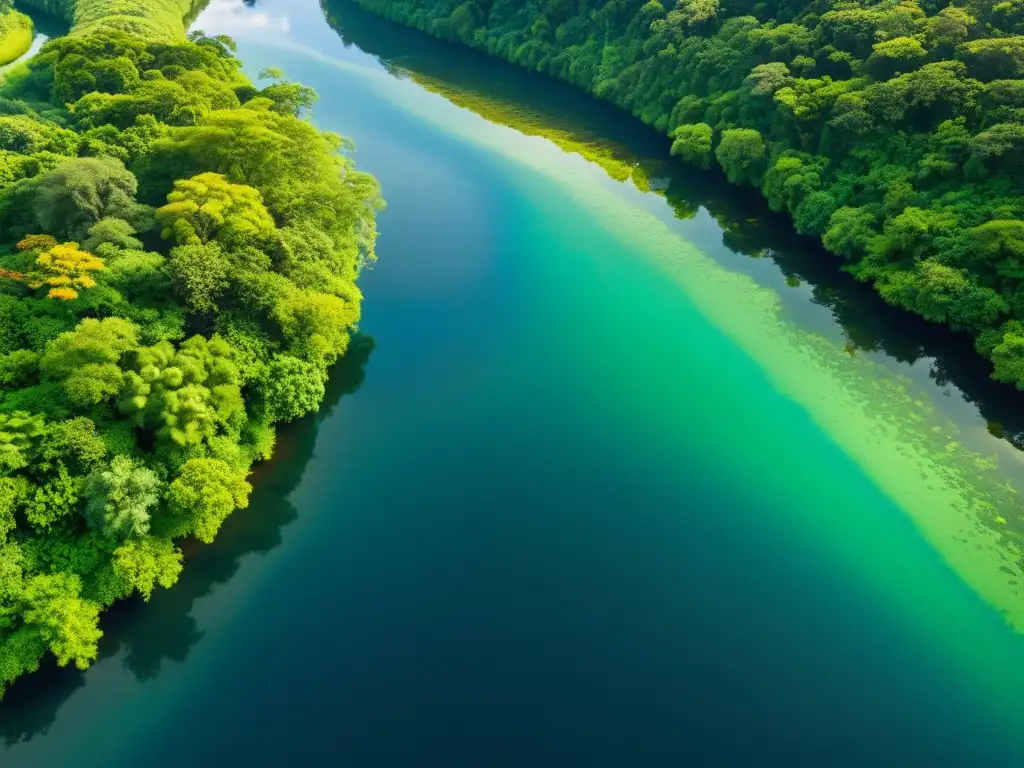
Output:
(891, 131)
(178, 256)
(15, 33)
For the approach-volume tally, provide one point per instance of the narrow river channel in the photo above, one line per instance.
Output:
(622, 473)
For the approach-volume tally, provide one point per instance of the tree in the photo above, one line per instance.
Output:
(741, 155)
(66, 623)
(65, 269)
(9, 493)
(119, 499)
(849, 232)
(208, 207)
(315, 325)
(75, 443)
(203, 495)
(890, 57)
(19, 433)
(693, 144)
(86, 361)
(54, 500)
(114, 231)
(79, 193)
(199, 274)
(1008, 355)
(143, 563)
(290, 388)
(12, 578)
(288, 98)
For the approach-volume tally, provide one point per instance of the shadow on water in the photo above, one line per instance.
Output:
(538, 105)
(44, 23)
(146, 635)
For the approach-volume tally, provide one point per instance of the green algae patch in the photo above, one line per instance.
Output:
(15, 36)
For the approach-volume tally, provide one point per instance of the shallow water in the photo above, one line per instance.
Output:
(603, 490)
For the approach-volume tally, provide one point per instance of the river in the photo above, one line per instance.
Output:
(621, 473)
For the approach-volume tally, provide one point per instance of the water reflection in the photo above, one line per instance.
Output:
(537, 105)
(145, 635)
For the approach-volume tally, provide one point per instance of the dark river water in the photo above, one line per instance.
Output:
(621, 473)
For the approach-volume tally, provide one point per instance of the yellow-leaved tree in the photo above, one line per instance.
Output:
(64, 268)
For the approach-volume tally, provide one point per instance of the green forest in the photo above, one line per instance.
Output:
(892, 131)
(178, 256)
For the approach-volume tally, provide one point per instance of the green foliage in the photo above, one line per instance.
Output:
(66, 623)
(290, 388)
(207, 207)
(132, 409)
(186, 396)
(86, 361)
(77, 194)
(111, 231)
(199, 273)
(139, 565)
(76, 443)
(19, 433)
(53, 501)
(741, 154)
(15, 34)
(203, 495)
(693, 144)
(119, 499)
(893, 131)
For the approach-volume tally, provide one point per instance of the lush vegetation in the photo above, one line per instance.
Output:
(177, 274)
(15, 33)
(894, 131)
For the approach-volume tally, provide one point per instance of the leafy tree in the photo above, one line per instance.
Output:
(208, 207)
(9, 493)
(693, 144)
(79, 193)
(65, 269)
(54, 500)
(290, 388)
(315, 326)
(1008, 355)
(75, 443)
(849, 232)
(19, 369)
(142, 564)
(186, 395)
(288, 98)
(119, 499)
(741, 154)
(19, 433)
(66, 623)
(203, 495)
(86, 361)
(199, 273)
(890, 57)
(113, 231)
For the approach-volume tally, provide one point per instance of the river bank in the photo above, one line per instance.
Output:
(171, 290)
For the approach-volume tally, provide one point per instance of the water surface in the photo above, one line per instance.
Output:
(603, 490)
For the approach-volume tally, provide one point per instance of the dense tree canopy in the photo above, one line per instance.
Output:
(893, 130)
(178, 256)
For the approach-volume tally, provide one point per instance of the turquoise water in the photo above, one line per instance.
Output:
(592, 495)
